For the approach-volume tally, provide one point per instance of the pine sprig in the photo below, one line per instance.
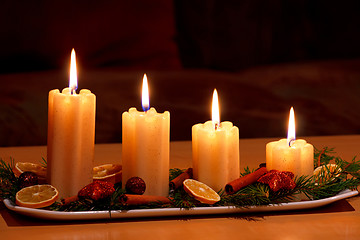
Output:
(110, 203)
(330, 189)
(246, 171)
(301, 182)
(180, 199)
(43, 162)
(335, 178)
(8, 180)
(325, 156)
(252, 195)
(260, 194)
(80, 205)
(174, 172)
(352, 167)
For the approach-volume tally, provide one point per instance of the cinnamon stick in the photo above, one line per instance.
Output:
(69, 200)
(177, 182)
(244, 181)
(132, 199)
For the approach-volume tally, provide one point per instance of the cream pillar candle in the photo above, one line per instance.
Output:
(145, 147)
(71, 132)
(215, 146)
(292, 155)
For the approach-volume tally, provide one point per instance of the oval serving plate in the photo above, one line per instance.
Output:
(161, 212)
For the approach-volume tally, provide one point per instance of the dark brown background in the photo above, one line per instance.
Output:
(262, 56)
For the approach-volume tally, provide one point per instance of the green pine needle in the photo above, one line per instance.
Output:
(8, 181)
(174, 172)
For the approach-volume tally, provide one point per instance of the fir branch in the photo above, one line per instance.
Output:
(174, 172)
(181, 199)
(8, 180)
(110, 203)
(330, 182)
(329, 189)
(252, 195)
(43, 162)
(328, 173)
(260, 194)
(115, 198)
(80, 205)
(323, 156)
(246, 171)
(352, 167)
(302, 182)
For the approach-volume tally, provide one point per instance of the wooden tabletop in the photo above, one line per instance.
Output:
(339, 220)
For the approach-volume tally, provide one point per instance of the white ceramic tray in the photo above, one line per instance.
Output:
(161, 212)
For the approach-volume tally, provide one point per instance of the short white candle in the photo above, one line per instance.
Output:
(145, 146)
(215, 147)
(71, 132)
(292, 155)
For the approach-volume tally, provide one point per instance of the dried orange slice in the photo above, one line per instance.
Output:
(201, 191)
(327, 172)
(39, 170)
(37, 196)
(108, 172)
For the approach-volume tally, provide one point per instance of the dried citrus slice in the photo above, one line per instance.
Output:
(326, 172)
(37, 196)
(201, 191)
(108, 172)
(21, 167)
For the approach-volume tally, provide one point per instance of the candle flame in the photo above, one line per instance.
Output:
(291, 128)
(145, 94)
(215, 109)
(73, 74)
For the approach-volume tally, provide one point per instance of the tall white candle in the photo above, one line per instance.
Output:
(145, 146)
(292, 155)
(216, 160)
(71, 132)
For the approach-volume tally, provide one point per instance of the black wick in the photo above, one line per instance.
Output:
(290, 142)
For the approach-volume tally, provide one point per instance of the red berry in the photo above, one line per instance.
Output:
(135, 185)
(27, 179)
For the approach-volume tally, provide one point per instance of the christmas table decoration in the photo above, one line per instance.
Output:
(264, 191)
